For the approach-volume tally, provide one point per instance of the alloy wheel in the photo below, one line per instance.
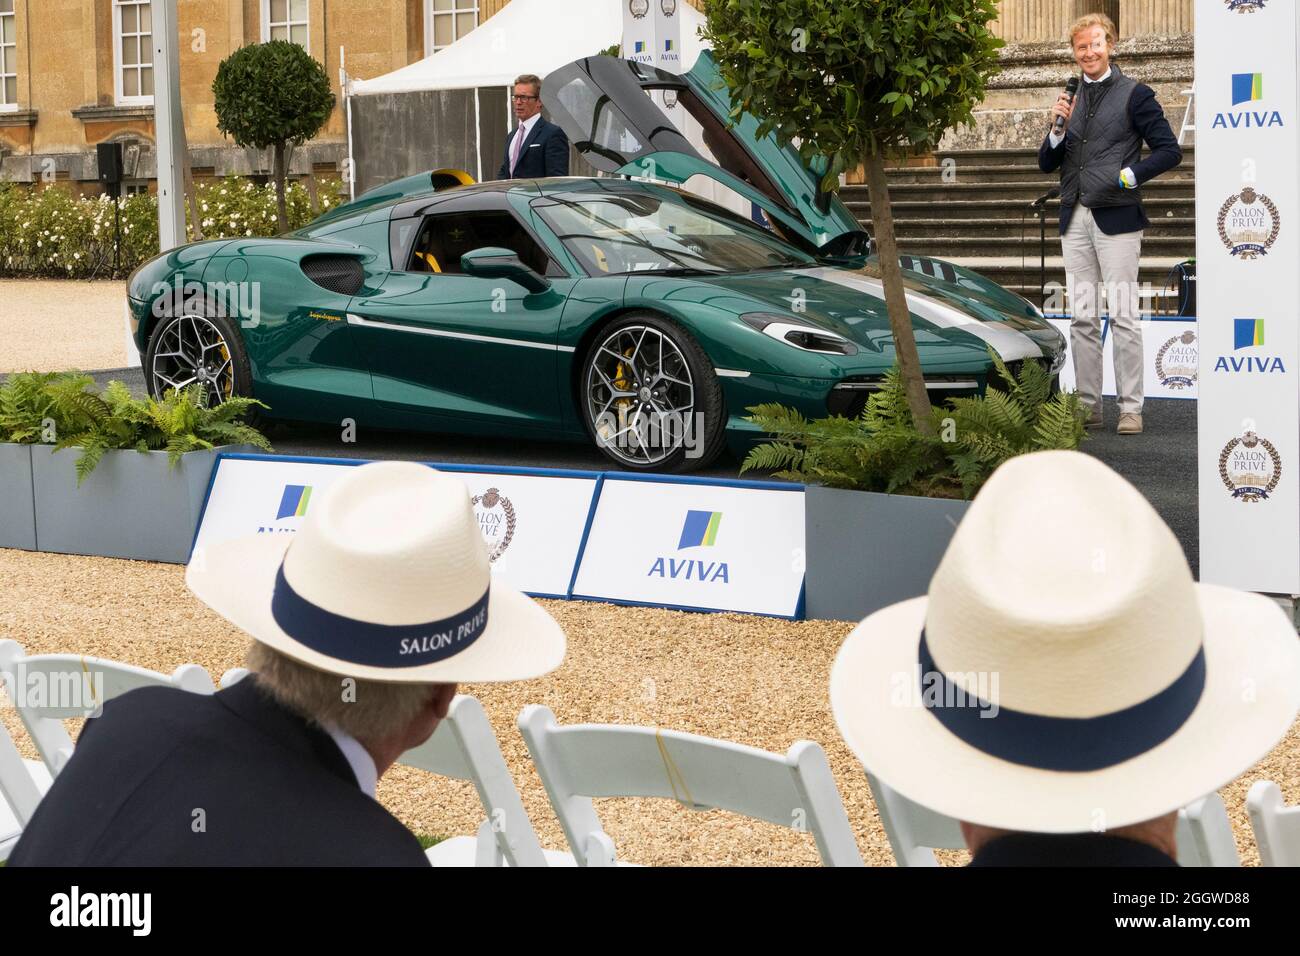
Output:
(191, 350)
(640, 395)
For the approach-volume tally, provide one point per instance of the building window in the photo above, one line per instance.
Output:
(8, 57)
(133, 46)
(285, 20)
(446, 21)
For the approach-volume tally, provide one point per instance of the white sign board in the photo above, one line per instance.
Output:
(531, 523)
(1247, 250)
(696, 545)
(1171, 366)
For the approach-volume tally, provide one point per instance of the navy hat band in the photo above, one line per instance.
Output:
(370, 644)
(1060, 743)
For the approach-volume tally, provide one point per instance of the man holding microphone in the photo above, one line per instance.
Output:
(1096, 142)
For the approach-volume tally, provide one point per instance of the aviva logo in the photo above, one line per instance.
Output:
(1247, 333)
(293, 503)
(1247, 87)
(700, 529)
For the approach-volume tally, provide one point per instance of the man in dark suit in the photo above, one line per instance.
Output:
(363, 624)
(536, 148)
(170, 778)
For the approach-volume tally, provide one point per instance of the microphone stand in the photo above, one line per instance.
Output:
(1039, 206)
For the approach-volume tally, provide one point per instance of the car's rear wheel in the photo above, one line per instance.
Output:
(195, 348)
(650, 397)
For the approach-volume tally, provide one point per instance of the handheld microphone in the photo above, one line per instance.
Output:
(1041, 201)
(1071, 88)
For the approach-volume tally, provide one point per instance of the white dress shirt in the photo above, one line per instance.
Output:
(359, 759)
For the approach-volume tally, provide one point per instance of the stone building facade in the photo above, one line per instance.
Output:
(74, 73)
(1155, 47)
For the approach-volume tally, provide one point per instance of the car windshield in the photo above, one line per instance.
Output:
(624, 232)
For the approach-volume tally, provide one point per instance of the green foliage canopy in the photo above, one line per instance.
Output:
(271, 94)
(854, 79)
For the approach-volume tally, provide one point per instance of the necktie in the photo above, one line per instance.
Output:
(516, 147)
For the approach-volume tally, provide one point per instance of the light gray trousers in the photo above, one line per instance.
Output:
(1098, 265)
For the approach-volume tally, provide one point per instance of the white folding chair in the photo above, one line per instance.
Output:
(49, 688)
(22, 784)
(583, 761)
(1204, 833)
(465, 748)
(1276, 826)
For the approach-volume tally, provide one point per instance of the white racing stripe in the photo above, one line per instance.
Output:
(1010, 343)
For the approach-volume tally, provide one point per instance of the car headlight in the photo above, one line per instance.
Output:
(806, 338)
(1058, 360)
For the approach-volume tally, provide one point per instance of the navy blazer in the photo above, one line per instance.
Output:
(545, 153)
(166, 777)
(1068, 849)
(1148, 120)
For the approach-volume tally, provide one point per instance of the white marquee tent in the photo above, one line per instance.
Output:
(527, 36)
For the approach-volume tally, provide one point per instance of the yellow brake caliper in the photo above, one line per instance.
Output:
(623, 383)
(229, 377)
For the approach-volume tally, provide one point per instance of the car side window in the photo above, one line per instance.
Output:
(444, 239)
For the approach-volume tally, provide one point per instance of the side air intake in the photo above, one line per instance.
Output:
(341, 274)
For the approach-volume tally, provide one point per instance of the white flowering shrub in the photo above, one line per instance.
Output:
(50, 232)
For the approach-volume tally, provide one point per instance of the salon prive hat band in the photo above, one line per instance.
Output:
(1061, 743)
(375, 645)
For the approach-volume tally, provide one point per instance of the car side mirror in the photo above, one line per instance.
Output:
(493, 262)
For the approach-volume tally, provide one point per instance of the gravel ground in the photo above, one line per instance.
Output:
(723, 675)
(48, 325)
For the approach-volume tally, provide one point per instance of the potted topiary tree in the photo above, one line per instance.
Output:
(854, 84)
(272, 95)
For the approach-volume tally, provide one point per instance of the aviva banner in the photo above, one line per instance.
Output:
(1247, 250)
(696, 545)
(532, 523)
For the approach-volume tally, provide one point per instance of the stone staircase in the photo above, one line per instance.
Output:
(973, 215)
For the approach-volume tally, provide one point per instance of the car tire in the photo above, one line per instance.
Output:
(179, 344)
(635, 444)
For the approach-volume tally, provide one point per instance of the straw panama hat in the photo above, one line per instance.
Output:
(1114, 689)
(386, 580)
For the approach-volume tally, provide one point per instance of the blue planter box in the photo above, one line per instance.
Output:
(17, 514)
(132, 505)
(866, 550)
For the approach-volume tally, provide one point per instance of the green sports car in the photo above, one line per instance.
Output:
(619, 309)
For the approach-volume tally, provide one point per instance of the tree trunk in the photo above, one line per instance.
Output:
(891, 274)
(281, 212)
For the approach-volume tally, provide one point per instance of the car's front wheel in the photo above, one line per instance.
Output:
(650, 397)
(197, 349)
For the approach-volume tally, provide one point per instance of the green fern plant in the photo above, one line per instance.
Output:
(882, 450)
(179, 422)
(41, 407)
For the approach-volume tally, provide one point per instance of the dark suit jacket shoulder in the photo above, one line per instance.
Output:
(169, 778)
(545, 153)
(1068, 849)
